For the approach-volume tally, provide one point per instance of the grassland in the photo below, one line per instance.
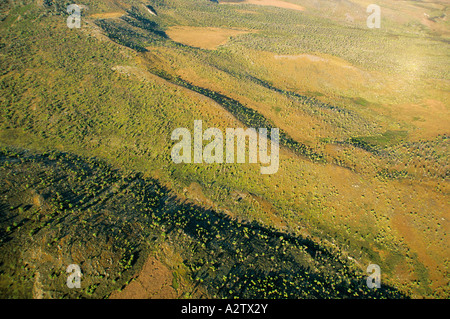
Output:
(363, 169)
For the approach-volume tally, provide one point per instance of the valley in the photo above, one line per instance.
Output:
(88, 178)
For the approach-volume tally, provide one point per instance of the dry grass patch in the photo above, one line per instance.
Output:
(108, 15)
(153, 282)
(205, 38)
(431, 118)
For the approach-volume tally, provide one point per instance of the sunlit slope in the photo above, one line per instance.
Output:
(399, 222)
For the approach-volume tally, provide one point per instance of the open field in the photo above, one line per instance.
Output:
(108, 15)
(270, 3)
(87, 176)
(205, 38)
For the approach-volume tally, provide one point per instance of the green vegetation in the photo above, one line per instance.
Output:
(81, 198)
(371, 143)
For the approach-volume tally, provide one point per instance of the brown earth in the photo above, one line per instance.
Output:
(153, 282)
